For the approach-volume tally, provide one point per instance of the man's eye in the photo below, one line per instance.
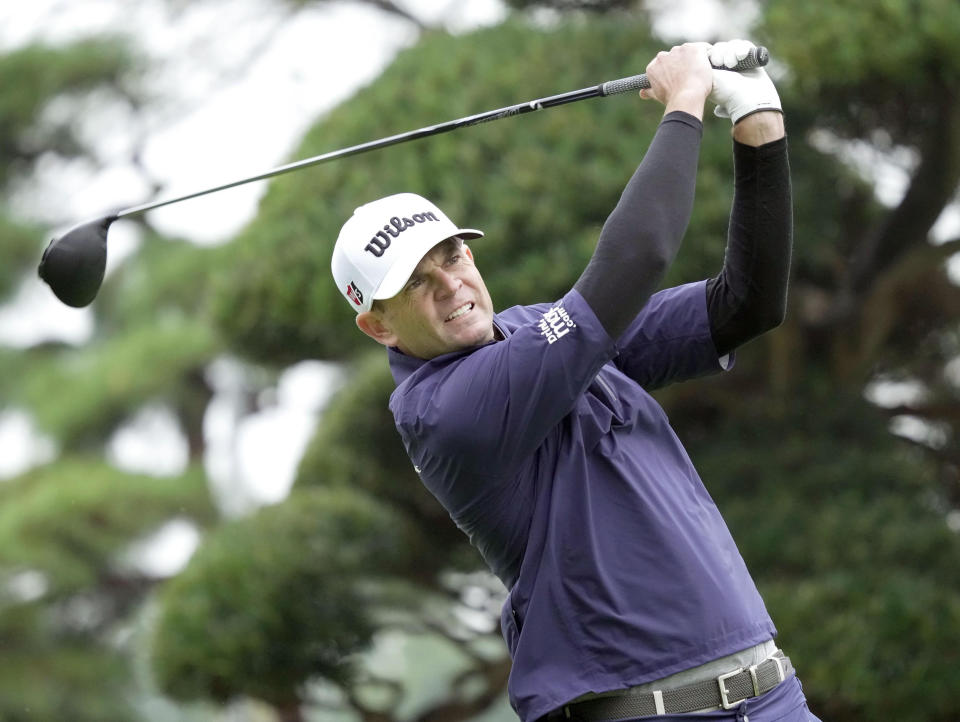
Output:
(415, 283)
(453, 259)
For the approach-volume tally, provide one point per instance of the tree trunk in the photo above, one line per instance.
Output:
(290, 712)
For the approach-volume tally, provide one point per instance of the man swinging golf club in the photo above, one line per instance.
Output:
(533, 427)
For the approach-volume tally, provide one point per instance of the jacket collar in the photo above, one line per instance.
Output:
(403, 366)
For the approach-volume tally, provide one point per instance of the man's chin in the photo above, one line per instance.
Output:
(478, 336)
(461, 342)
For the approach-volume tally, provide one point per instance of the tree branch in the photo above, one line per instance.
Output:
(937, 411)
(494, 676)
(391, 7)
(932, 186)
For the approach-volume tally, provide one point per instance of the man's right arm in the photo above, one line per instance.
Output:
(642, 235)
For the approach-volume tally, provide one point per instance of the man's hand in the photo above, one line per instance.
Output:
(739, 94)
(681, 79)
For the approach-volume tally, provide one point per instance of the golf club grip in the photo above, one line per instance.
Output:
(756, 58)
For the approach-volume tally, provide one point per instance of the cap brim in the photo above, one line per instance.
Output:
(398, 275)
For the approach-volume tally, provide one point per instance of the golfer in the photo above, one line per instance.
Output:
(534, 427)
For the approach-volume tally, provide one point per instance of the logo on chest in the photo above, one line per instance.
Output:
(555, 324)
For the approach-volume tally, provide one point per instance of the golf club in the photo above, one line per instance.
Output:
(73, 264)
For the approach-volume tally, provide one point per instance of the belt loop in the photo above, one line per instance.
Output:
(781, 673)
(753, 678)
(658, 701)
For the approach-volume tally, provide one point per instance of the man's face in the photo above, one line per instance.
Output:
(444, 307)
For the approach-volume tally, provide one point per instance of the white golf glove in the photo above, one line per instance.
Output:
(738, 94)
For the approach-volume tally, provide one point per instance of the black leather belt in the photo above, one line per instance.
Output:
(723, 692)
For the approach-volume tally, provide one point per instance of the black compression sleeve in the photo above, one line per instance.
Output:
(642, 235)
(749, 296)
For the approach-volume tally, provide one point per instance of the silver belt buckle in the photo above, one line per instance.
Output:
(724, 700)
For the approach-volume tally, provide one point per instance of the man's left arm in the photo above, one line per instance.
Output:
(748, 297)
(689, 331)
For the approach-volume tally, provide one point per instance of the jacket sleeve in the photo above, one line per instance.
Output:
(670, 340)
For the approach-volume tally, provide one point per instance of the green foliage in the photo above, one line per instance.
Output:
(869, 66)
(31, 76)
(108, 380)
(598, 6)
(897, 40)
(68, 524)
(65, 526)
(166, 278)
(356, 446)
(840, 529)
(74, 681)
(19, 249)
(872, 646)
(274, 599)
(12, 364)
(69, 521)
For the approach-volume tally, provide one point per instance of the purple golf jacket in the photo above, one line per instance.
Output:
(549, 453)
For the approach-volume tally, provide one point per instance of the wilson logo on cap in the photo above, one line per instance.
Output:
(381, 241)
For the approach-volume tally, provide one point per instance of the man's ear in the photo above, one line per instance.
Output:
(372, 324)
(466, 249)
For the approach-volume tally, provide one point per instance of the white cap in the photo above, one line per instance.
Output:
(382, 243)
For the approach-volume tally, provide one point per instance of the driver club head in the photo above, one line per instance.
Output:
(73, 264)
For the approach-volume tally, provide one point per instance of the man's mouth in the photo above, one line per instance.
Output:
(458, 312)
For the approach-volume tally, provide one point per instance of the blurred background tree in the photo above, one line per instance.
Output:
(69, 591)
(356, 598)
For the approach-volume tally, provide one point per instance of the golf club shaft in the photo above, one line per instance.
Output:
(757, 57)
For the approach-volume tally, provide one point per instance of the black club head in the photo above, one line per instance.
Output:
(73, 264)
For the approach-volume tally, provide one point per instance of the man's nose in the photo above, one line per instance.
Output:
(447, 284)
